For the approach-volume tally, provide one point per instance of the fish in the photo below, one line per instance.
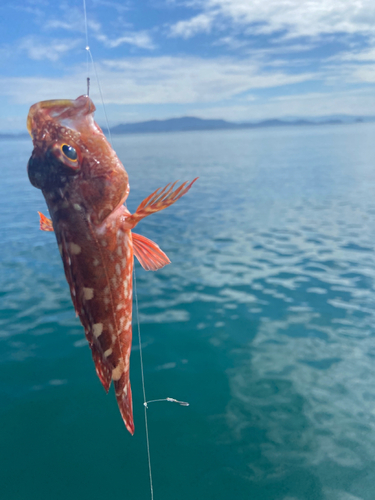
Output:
(85, 187)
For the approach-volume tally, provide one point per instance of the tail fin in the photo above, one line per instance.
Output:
(124, 400)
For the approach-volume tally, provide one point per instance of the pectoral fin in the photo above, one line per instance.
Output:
(148, 253)
(45, 223)
(158, 200)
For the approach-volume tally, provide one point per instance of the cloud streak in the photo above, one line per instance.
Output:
(292, 18)
(158, 80)
(39, 49)
(140, 39)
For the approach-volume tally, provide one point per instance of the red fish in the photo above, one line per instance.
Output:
(85, 187)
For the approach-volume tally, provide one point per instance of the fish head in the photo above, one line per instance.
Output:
(72, 161)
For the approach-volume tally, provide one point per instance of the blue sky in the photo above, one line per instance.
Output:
(240, 60)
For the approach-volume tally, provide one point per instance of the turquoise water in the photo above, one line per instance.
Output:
(264, 322)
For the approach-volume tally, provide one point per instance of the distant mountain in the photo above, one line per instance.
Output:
(183, 124)
(189, 123)
(21, 135)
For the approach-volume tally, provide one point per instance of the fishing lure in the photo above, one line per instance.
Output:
(85, 186)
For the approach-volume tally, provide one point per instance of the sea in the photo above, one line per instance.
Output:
(264, 322)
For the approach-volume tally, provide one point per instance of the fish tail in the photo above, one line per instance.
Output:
(124, 400)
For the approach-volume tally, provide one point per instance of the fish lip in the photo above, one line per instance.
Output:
(52, 103)
(60, 109)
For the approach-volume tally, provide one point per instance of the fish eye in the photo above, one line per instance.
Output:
(69, 152)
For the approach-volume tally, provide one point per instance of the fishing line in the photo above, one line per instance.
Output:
(96, 73)
(87, 44)
(145, 402)
(143, 388)
(135, 283)
(171, 400)
(101, 95)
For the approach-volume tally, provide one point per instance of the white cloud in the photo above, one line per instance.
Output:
(140, 39)
(358, 102)
(187, 79)
(364, 55)
(73, 21)
(157, 80)
(189, 28)
(38, 49)
(296, 17)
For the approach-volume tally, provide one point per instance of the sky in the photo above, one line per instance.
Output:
(240, 60)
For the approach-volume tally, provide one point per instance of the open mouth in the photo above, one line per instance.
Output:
(66, 111)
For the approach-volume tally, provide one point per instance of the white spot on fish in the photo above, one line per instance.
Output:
(77, 207)
(74, 248)
(104, 243)
(120, 306)
(124, 263)
(117, 372)
(88, 293)
(128, 324)
(97, 329)
(126, 389)
(118, 269)
(96, 262)
(108, 352)
(106, 301)
(106, 290)
(119, 251)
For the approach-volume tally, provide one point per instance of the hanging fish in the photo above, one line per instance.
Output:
(85, 187)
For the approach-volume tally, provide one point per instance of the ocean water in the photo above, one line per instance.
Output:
(264, 322)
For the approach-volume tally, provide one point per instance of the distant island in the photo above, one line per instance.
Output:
(191, 123)
(22, 135)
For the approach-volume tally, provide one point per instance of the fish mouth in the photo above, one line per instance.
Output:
(70, 112)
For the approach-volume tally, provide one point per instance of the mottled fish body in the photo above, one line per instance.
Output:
(85, 187)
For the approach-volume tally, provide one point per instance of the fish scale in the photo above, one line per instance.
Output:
(85, 186)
